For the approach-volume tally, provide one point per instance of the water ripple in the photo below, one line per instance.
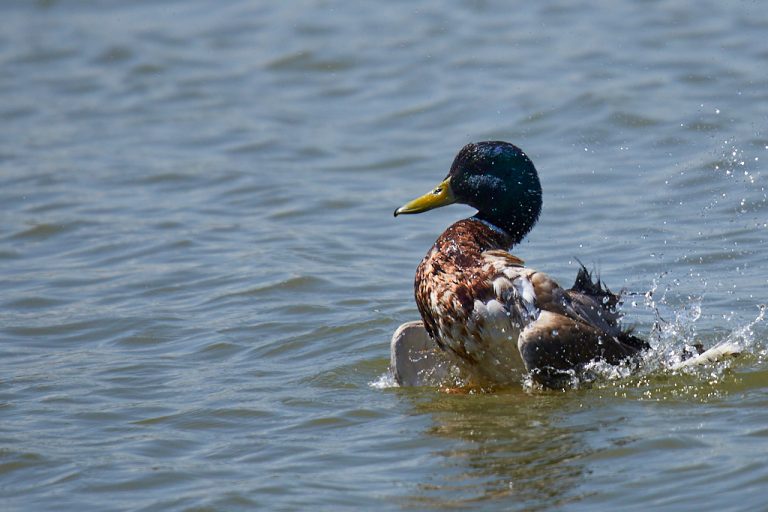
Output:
(201, 270)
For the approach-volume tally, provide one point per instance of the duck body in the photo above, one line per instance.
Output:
(500, 319)
(493, 316)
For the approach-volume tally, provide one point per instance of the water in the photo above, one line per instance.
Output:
(201, 271)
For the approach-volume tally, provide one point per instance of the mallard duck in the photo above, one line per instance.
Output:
(482, 306)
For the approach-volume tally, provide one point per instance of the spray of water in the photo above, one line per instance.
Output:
(677, 350)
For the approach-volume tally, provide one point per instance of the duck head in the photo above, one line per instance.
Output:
(495, 177)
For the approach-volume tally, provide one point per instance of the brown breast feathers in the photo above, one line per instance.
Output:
(453, 275)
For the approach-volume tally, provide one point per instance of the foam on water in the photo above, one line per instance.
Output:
(384, 381)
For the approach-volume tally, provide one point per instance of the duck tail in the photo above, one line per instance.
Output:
(594, 287)
(587, 285)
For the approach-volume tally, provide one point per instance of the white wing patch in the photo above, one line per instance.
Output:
(503, 288)
(527, 295)
(513, 286)
(495, 324)
(494, 347)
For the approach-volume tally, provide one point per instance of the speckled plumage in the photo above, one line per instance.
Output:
(480, 304)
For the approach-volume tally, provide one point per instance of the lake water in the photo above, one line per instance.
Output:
(201, 271)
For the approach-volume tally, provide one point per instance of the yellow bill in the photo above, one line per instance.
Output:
(441, 195)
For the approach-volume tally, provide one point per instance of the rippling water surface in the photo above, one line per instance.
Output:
(201, 272)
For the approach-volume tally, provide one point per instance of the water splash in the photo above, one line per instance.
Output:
(384, 381)
(677, 350)
(445, 375)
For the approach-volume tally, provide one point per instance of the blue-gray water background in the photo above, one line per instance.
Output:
(200, 270)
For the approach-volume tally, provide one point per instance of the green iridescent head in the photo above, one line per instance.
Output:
(495, 177)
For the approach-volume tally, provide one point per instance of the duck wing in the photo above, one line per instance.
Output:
(560, 329)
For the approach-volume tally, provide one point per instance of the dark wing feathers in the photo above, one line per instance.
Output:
(574, 327)
(593, 296)
(554, 345)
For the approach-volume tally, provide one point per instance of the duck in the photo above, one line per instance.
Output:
(482, 308)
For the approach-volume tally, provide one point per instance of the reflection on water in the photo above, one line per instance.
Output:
(514, 446)
(545, 449)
